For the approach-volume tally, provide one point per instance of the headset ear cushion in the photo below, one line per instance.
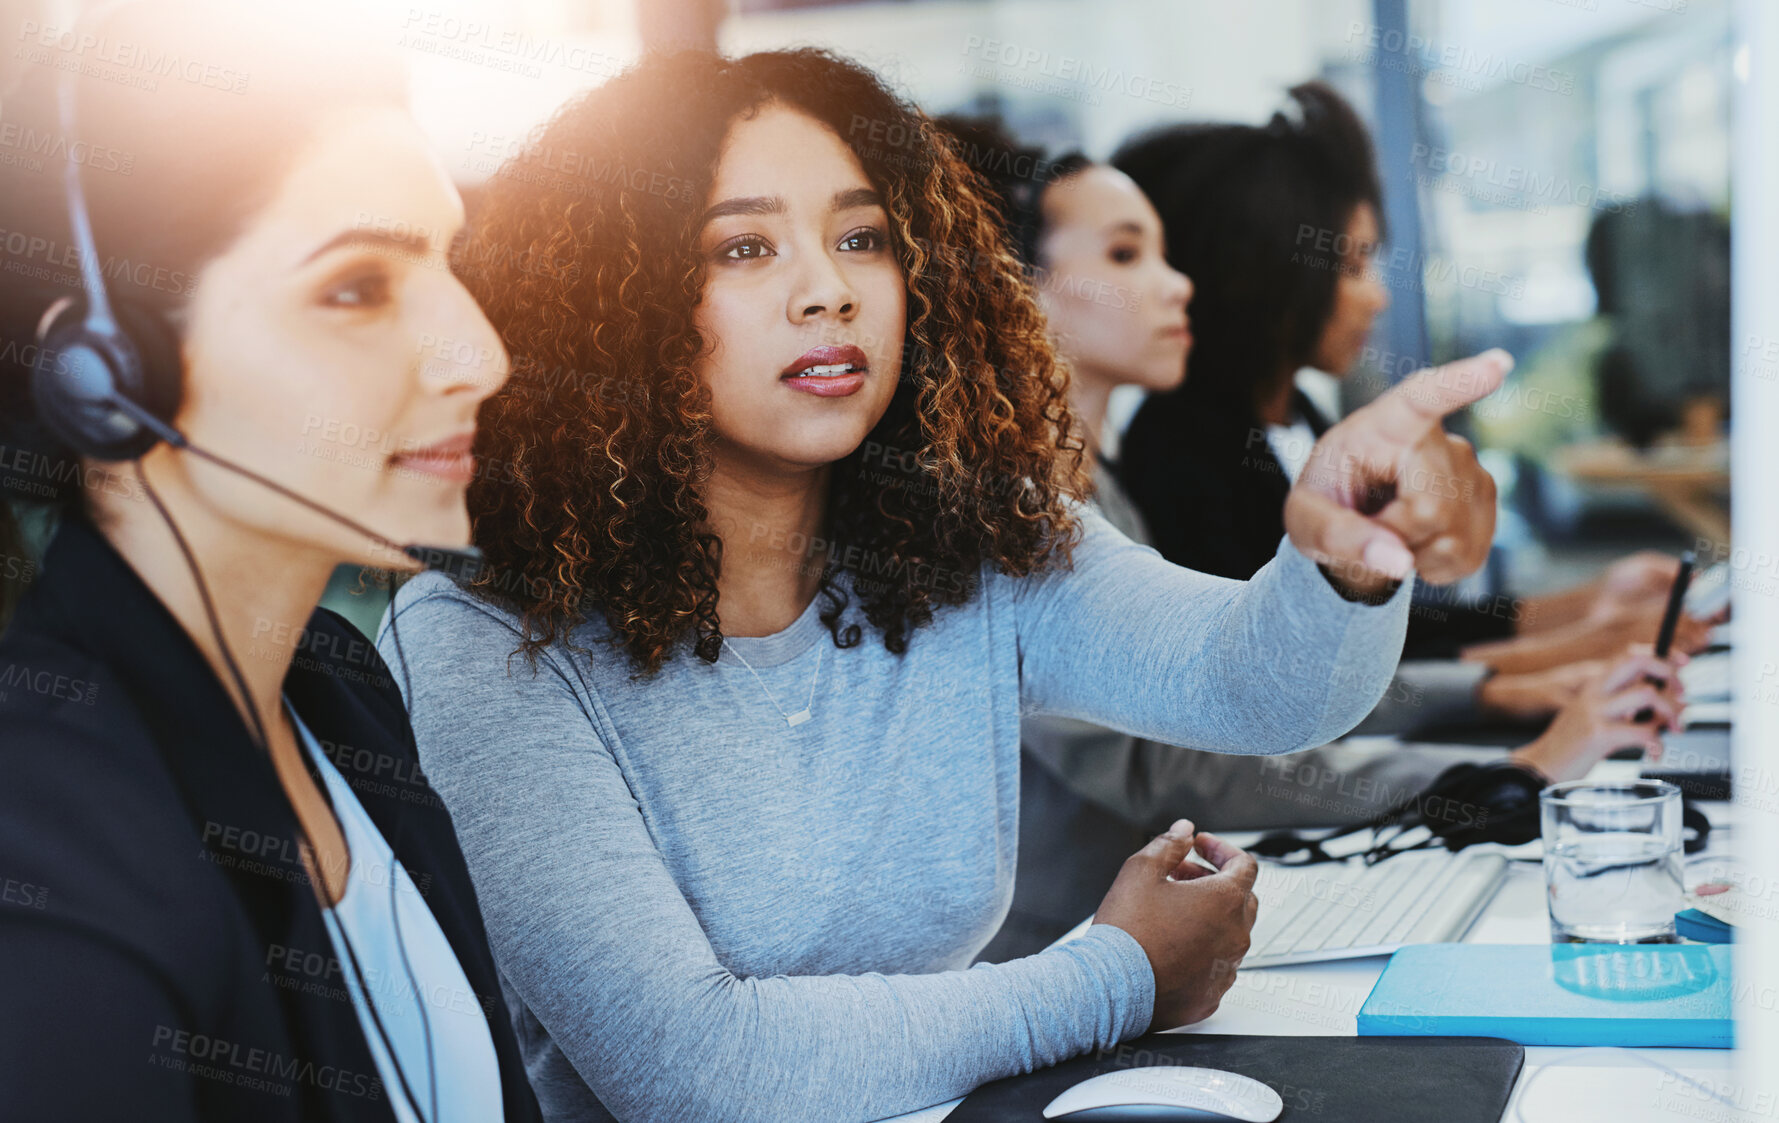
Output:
(162, 369)
(80, 369)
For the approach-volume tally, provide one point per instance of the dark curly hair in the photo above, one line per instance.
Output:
(592, 457)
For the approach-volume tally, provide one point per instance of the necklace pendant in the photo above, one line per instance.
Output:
(797, 718)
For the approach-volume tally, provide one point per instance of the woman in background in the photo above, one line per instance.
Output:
(1116, 312)
(784, 541)
(242, 900)
(1278, 225)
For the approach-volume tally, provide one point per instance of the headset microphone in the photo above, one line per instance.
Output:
(457, 562)
(114, 382)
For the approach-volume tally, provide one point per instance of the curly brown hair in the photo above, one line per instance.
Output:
(584, 255)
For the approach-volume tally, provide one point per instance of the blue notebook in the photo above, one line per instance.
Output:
(1556, 994)
(1703, 927)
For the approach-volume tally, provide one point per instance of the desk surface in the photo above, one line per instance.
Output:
(1323, 999)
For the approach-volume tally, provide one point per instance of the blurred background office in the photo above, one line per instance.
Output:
(1556, 177)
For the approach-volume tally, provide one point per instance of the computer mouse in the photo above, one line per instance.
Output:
(1167, 1094)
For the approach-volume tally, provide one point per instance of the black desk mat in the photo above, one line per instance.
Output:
(1321, 1079)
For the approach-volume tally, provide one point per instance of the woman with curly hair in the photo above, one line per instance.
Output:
(783, 509)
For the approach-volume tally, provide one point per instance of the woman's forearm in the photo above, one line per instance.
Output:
(1132, 642)
(1540, 651)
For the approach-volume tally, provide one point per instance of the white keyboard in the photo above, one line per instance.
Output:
(1344, 910)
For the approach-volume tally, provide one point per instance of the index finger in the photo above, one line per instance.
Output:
(1229, 859)
(1411, 408)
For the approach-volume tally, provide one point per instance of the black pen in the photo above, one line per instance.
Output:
(1676, 597)
(1664, 639)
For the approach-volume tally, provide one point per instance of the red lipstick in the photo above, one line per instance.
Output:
(828, 371)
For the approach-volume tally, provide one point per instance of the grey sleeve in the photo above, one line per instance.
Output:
(1425, 693)
(1127, 640)
(591, 931)
(1333, 785)
(1150, 785)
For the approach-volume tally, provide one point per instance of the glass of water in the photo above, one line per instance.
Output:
(1612, 861)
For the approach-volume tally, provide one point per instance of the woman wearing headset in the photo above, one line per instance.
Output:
(786, 525)
(230, 892)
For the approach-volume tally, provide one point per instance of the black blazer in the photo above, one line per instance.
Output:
(1208, 485)
(1213, 496)
(161, 954)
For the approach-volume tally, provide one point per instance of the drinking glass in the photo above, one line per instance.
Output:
(1612, 861)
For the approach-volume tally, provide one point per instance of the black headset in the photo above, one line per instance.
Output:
(109, 390)
(108, 382)
(1465, 805)
(108, 385)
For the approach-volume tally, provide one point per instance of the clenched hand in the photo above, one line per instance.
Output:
(1388, 490)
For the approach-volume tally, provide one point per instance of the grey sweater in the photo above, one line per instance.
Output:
(1089, 796)
(703, 913)
(1151, 785)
